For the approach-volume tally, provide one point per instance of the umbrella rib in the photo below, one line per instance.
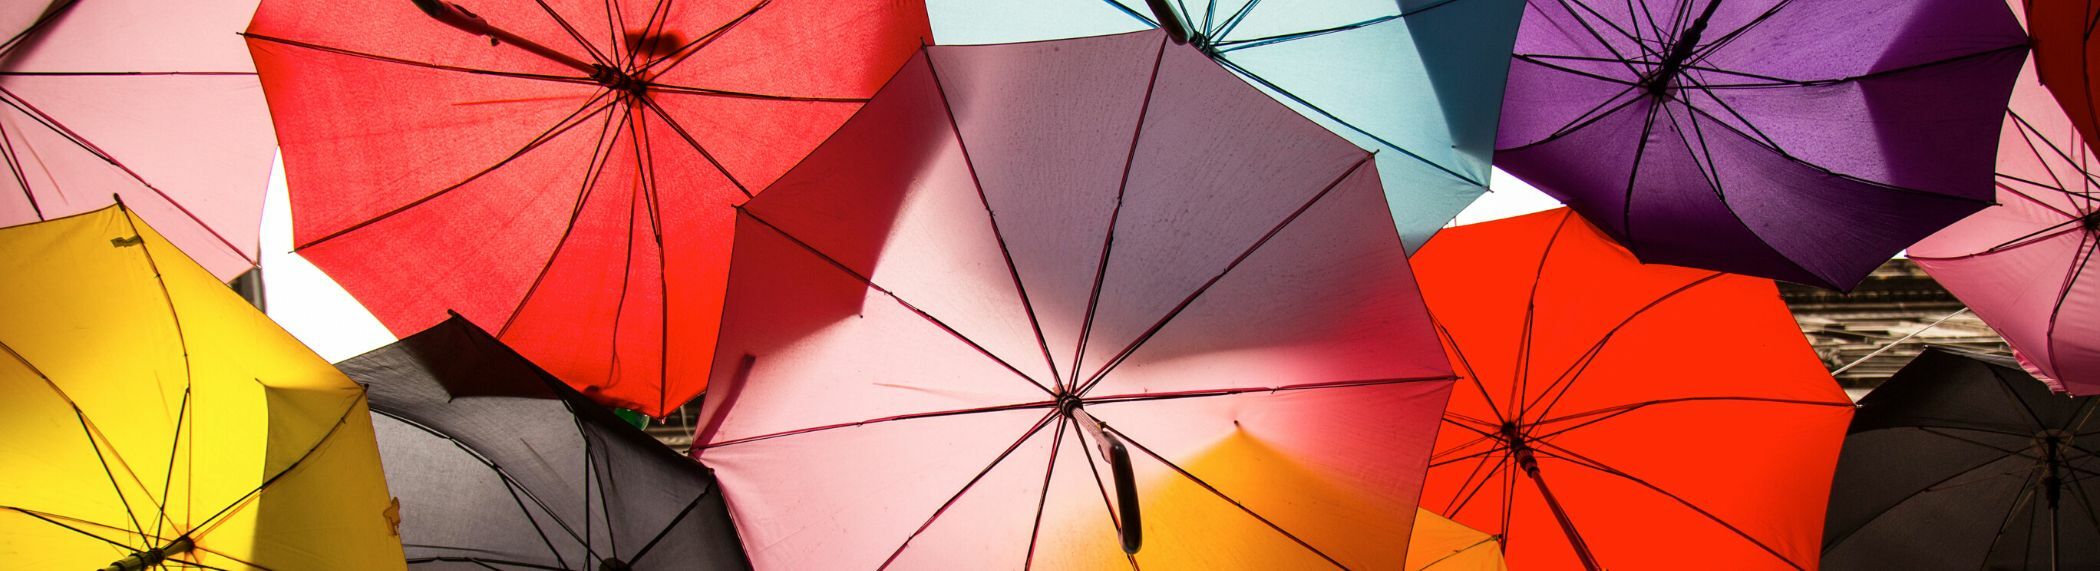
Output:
(1847, 534)
(1115, 213)
(601, 153)
(596, 55)
(659, 16)
(1701, 86)
(1468, 489)
(1457, 552)
(841, 266)
(91, 432)
(1287, 94)
(1711, 171)
(50, 14)
(1572, 374)
(2090, 242)
(1228, 499)
(1521, 372)
(1587, 118)
(510, 484)
(684, 90)
(1171, 395)
(1819, 168)
(1594, 34)
(1633, 177)
(1035, 530)
(52, 123)
(1232, 45)
(2006, 388)
(2031, 198)
(1865, 76)
(482, 561)
(2026, 495)
(689, 140)
(14, 167)
(424, 65)
(1120, 356)
(678, 56)
(1005, 254)
(1603, 414)
(1701, 53)
(1032, 431)
(49, 518)
(188, 368)
(893, 418)
(1607, 21)
(211, 523)
(2029, 134)
(1107, 506)
(1470, 373)
(1586, 462)
(1231, 22)
(574, 118)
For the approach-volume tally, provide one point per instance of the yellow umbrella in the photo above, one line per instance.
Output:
(151, 418)
(1439, 544)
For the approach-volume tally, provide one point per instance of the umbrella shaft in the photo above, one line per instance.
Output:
(1680, 51)
(1530, 464)
(458, 17)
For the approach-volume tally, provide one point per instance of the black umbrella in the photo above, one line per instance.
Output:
(497, 464)
(1963, 461)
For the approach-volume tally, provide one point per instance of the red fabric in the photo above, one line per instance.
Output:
(1626, 376)
(908, 305)
(433, 171)
(2065, 57)
(151, 101)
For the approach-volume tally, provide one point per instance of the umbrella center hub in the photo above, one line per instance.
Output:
(619, 80)
(2092, 222)
(1067, 404)
(151, 558)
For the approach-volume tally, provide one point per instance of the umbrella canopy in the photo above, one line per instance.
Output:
(1416, 81)
(152, 101)
(1963, 462)
(1624, 416)
(569, 188)
(1802, 141)
(1440, 544)
(2025, 265)
(1038, 300)
(499, 465)
(154, 419)
(2063, 50)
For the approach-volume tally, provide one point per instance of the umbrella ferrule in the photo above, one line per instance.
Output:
(151, 558)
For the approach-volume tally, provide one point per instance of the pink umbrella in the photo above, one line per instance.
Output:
(149, 100)
(1039, 301)
(2025, 266)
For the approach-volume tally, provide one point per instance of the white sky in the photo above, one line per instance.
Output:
(317, 311)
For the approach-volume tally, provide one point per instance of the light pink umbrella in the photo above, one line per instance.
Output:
(2025, 266)
(154, 101)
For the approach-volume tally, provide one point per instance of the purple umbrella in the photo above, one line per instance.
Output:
(1803, 140)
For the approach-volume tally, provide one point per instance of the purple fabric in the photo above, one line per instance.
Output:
(1802, 140)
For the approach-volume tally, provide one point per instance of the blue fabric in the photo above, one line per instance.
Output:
(1419, 82)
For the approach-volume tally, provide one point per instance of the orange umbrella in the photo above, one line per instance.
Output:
(1613, 414)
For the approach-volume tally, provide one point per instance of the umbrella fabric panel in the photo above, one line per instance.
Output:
(557, 480)
(1769, 141)
(176, 429)
(148, 101)
(535, 199)
(925, 271)
(1441, 544)
(1414, 81)
(1562, 334)
(1951, 453)
(2022, 264)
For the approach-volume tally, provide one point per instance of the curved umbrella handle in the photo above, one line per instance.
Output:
(1119, 468)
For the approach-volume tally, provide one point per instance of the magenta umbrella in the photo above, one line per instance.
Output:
(149, 100)
(2025, 266)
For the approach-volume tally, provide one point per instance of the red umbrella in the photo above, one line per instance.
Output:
(559, 174)
(149, 100)
(1624, 416)
(1040, 299)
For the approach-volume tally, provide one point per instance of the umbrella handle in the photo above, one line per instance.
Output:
(1118, 457)
(459, 17)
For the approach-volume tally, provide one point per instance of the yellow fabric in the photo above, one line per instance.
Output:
(1439, 544)
(131, 378)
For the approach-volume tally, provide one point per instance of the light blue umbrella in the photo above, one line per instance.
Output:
(1417, 81)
